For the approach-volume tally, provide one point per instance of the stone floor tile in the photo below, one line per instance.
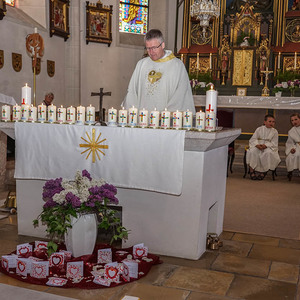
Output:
(294, 244)
(203, 296)
(204, 262)
(287, 255)
(200, 280)
(226, 235)
(284, 272)
(257, 239)
(151, 292)
(242, 265)
(7, 246)
(253, 288)
(236, 248)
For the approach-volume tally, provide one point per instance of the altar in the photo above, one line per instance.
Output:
(169, 223)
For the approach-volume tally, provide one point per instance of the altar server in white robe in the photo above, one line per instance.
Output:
(292, 146)
(263, 149)
(160, 80)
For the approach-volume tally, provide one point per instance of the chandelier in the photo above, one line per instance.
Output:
(204, 10)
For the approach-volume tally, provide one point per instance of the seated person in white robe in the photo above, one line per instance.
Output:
(160, 80)
(292, 146)
(263, 149)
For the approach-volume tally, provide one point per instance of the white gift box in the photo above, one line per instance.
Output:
(139, 251)
(101, 281)
(104, 256)
(57, 259)
(23, 266)
(9, 261)
(40, 245)
(39, 269)
(133, 267)
(112, 272)
(24, 249)
(75, 269)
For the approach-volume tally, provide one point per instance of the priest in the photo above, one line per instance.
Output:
(160, 80)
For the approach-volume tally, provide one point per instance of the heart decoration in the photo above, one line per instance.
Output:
(39, 270)
(56, 260)
(74, 271)
(111, 272)
(140, 252)
(21, 266)
(42, 245)
(23, 250)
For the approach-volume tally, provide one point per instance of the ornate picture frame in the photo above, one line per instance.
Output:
(241, 91)
(59, 18)
(98, 23)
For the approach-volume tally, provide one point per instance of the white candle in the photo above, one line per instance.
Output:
(181, 56)
(295, 61)
(24, 112)
(71, 115)
(143, 118)
(5, 113)
(154, 119)
(42, 113)
(61, 115)
(177, 119)
(35, 30)
(32, 114)
(90, 115)
(80, 115)
(132, 115)
(210, 60)
(210, 122)
(211, 101)
(278, 61)
(122, 117)
(165, 119)
(16, 113)
(200, 120)
(197, 61)
(112, 117)
(51, 113)
(187, 119)
(26, 94)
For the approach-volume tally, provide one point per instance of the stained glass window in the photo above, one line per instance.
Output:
(133, 16)
(10, 2)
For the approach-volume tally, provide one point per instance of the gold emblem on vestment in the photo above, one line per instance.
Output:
(154, 76)
(93, 145)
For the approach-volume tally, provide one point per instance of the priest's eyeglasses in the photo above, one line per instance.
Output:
(153, 48)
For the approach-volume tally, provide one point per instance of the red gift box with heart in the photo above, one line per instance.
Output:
(9, 261)
(75, 269)
(57, 259)
(24, 250)
(40, 245)
(23, 266)
(140, 251)
(112, 272)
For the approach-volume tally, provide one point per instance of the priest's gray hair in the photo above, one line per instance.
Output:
(50, 94)
(154, 34)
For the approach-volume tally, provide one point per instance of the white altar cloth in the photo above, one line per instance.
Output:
(252, 102)
(133, 158)
(4, 99)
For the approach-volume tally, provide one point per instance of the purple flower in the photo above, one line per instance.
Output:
(85, 173)
(50, 203)
(73, 200)
(52, 187)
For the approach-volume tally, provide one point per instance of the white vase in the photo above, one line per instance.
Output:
(81, 238)
(278, 94)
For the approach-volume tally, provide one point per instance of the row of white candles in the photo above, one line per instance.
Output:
(28, 113)
(155, 119)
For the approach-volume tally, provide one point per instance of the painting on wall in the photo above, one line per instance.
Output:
(59, 18)
(98, 23)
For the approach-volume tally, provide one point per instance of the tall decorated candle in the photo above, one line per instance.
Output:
(210, 124)
(90, 115)
(112, 117)
(80, 115)
(16, 114)
(200, 120)
(165, 119)
(211, 100)
(132, 116)
(143, 118)
(24, 111)
(42, 109)
(71, 115)
(154, 118)
(177, 119)
(122, 118)
(26, 94)
(51, 113)
(187, 121)
(5, 113)
(32, 114)
(61, 115)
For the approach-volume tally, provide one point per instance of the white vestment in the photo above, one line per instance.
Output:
(160, 84)
(293, 141)
(267, 159)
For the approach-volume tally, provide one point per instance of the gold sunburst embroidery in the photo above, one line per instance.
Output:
(93, 145)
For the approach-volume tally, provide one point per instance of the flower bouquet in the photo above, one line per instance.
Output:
(278, 88)
(293, 85)
(65, 199)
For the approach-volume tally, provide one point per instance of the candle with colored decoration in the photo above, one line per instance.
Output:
(32, 114)
(90, 115)
(24, 111)
(211, 100)
(51, 113)
(61, 115)
(187, 120)
(165, 119)
(122, 120)
(71, 115)
(143, 118)
(177, 119)
(26, 94)
(200, 120)
(16, 115)
(80, 115)
(154, 119)
(112, 117)
(5, 113)
(210, 122)
(132, 116)
(42, 109)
